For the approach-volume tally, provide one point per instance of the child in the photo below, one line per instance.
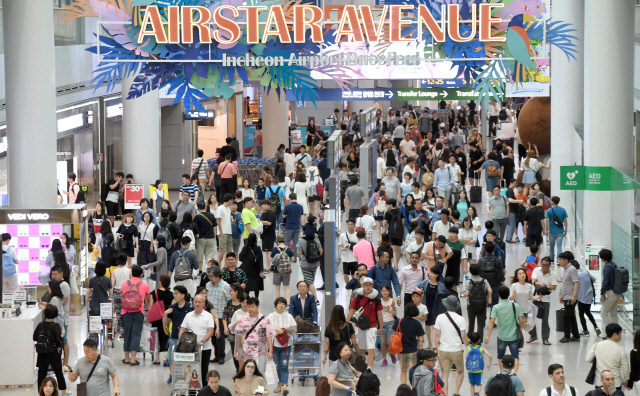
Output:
(475, 363)
(531, 262)
(416, 297)
(237, 227)
(261, 190)
(423, 376)
(388, 318)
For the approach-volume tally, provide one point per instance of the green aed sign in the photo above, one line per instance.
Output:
(436, 94)
(595, 178)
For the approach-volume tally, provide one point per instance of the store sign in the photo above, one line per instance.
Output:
(28, 216)
(199, 115)
(436, 94)
(334, 150)
(133, 193)
(595, 178)
(42, 216)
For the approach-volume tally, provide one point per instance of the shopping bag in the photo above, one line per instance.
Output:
(530, 320)
(271, 373)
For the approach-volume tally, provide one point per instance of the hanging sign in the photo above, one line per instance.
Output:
(133, 193)
(595, 178)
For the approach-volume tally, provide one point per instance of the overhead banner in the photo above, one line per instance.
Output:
(595, 178)
(378, 94)
(436, 94)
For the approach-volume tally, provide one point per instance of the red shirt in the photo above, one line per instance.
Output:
(369, 309)
(143, 288)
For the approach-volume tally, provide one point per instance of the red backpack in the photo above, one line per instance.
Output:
(436, 386)
(531, 265)
(132, 298)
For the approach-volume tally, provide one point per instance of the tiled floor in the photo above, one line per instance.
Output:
(535, 358)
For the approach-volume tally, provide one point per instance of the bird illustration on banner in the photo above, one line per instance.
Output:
(519, 45)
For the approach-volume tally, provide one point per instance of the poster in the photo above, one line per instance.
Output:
(186, 374)
(133, 193)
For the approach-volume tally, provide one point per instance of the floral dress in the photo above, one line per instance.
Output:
(255, 346)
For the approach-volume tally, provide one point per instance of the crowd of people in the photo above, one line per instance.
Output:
(412, 253)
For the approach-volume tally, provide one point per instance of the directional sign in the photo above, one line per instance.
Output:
(355, 94)
(435, 94)
(199, 115)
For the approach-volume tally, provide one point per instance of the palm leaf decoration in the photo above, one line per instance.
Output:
(490, 80)
(79, 9)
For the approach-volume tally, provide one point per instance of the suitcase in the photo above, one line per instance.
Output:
(475, 191)
(560, 320)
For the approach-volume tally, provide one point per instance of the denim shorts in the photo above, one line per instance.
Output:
(513, 348)
(387, 329)
(64, 339)
(171, 345)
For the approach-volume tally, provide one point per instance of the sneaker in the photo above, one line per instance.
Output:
(575, 339)
(321, 287)
(65, 368)
(517, 240)
(384, 363)
(169, 380)
(317, 303)
(598, 331)
(476, 394)
(564, 340)
(393, 359)
(585, 334)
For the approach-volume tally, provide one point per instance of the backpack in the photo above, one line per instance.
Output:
(8, 265)
(396, 226)
(621, 280)
(44, 343)
(164, 232)
(189, 233)
(500, 385)
(182, 270)
(274, 198)
(531, 265)
(475, 360)
(492, 170)
(502, 115)
(391, 159)
(132, 299)
(188, 342)
(571, 388)
(284, 262)
(80, 196)
(313, 253)
(200, 195)
(368, 385)
(489, 271)
(477, 296)
(381, 204)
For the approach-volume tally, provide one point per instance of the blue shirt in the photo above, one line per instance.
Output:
(191, 256)
(294, 212)
(191, 188)
(415, 213)
(442, 179)
(515, 381)
(436, 214)
(260, 193)
(561, 214)
(608, 277)
(281, 193)
(235, 230)
(585, 290)
(385, 276)
(323, 167)
(177, 316)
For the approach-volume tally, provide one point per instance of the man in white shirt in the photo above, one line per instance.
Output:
(450, 342)
(441, 227)
(224, 228)
(543, 277)
(610, 356)
(494, 111)
(304, 158)
(335, 116)
(409, 167)
(408, 146)
(559, 388)
(398, 134)
(201, 323)
(380, 164)
(346, 243)
(418, 246)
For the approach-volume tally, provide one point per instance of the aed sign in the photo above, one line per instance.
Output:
(175, 24)
(595, 178)
(133, 194)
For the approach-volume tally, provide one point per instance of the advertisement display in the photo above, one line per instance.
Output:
(133, 193)
(368, 122)
(592, 253)
(186, 371)
(334, 150)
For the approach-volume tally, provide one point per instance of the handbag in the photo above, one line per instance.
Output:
(395, 346)
(322, 384)
(157, 309)
(357, 362)
(592, 371)
(271, 373)
(518, 329)
(258, 229)
(283, 338)
(81, 389)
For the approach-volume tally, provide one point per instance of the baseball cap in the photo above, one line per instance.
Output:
(367, 280)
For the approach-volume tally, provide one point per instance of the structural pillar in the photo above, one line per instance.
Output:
(275, 123)
(567, 95)
(141, 135)
(608, 124)
(30, 83)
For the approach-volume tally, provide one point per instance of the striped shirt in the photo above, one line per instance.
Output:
(410, 277)
(191, 188)
(203, 164)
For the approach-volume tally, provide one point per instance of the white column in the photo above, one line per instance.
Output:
(30, 86)
(141, 135)
(608, 123)
(567, 94)
(275, 125)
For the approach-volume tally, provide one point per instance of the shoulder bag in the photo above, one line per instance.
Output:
(518, 329)
(455, 325)
(157, 309)
(592, 371)
(81, 389)
(252, 328)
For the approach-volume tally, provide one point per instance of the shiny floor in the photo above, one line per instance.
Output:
(534, 358)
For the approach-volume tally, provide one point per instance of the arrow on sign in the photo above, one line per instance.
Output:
(444, 94)
(424, 81)
(389, 94)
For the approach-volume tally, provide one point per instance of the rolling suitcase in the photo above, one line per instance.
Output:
(475, 191)
(560, 320)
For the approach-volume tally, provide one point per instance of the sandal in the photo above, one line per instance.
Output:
(125, 362)
(136, 363)
(530, 340)
(278, 389)
(546, 342)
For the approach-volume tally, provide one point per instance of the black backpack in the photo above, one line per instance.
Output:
(621, 280)
(368, 385)
(44, 343)
(500, 385)
(477, 296)
(274, 198)
(391, 159)
(188, 342)
(489, 271)
(571, 388)
(396, 226)
(80, 197)
(503, 114)
(313, 252)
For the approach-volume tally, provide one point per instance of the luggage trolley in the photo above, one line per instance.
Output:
(149, 341)
(305, 362)
(101, 327)
(184, 365)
